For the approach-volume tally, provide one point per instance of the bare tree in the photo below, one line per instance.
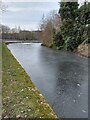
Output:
(48, 26)
(5, 29)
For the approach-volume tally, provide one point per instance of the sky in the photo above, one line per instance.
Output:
(27, 13)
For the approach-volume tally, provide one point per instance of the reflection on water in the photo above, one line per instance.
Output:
(60, 76)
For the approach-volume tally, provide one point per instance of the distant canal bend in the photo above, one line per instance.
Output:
(61, 77)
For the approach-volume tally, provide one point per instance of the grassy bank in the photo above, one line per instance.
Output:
(0, 80)
(20, 97)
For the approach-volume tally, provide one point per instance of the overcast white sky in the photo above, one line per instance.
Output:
(28, 13)
(38, 0)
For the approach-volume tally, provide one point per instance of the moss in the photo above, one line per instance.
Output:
(20, 97)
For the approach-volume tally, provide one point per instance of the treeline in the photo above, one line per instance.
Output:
(22, 35)
(73, 23)
(18, 34)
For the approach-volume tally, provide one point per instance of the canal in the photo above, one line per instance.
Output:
(62, 77)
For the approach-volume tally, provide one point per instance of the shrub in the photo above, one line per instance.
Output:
(58, 39)
(70, 43)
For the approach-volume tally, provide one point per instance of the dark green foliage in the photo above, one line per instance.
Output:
(58, 39)
(84, 12)
(68, 10)
(70, 43)
(83, 23)
(74, 21)
(88, 33)
(68, 13)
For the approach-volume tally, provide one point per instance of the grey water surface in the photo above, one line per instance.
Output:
(62, 77)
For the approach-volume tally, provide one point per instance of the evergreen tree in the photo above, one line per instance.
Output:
(84, 21)
(69, 13)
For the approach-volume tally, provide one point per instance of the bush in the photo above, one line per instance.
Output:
(58, 39)
(70, 43)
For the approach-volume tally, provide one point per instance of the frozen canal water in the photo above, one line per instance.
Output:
(60, 76)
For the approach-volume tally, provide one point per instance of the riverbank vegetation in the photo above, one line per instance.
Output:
(48, 26)
(20, 98)
(73, 27)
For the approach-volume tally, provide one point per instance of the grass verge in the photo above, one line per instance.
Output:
(20, 97)
(0, 79)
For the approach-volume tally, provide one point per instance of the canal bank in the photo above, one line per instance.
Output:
(20, 98)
